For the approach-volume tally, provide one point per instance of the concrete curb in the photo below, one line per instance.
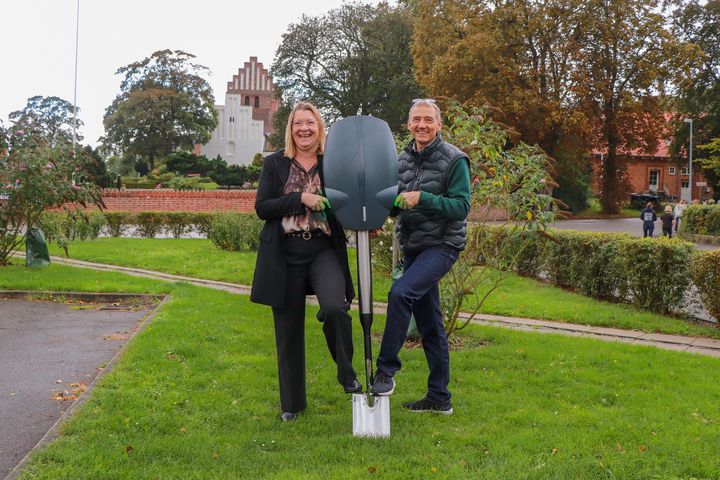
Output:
(703, 346)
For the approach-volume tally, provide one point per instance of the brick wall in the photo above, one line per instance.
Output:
(174, 201)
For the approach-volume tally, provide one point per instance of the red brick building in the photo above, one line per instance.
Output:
(656, 172)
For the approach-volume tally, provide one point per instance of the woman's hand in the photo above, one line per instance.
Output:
(314, 202)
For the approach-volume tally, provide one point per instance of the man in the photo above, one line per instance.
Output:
(432, 205)
(649, 218)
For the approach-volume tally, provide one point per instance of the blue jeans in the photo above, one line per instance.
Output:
(648, 228)
(417, 293)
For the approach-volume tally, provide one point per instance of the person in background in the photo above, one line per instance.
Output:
(648, 218)
(678, 212)
(302, 250)
(432, 205)
(667, 221)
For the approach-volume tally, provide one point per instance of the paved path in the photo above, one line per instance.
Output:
(633, 226)
(47, 349)
(702, 346)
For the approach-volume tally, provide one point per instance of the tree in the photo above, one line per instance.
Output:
(36, 177)
(710, 163)
(568, 75)
(164, 105)
(183, 163)
(48, 118)
(518, 58)
(353, 60)
(629, 59)
(96, 167)
(698, 23)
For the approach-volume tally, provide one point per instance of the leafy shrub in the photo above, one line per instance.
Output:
(177, 223)
(706, 276)
(64, 227)
(235, 231)
(381, 246)
(203, 222)
(118, 222)
(701, 220)
(505, 248)
(656, 271)
(149, 223)
(136, 183)
(585, 261)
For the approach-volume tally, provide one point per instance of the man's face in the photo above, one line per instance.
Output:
(424, 125)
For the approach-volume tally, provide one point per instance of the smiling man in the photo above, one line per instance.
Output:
(432, 205)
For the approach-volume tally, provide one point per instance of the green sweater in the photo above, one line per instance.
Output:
(455, 204)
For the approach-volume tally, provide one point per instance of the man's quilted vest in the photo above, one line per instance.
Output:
(420, 228)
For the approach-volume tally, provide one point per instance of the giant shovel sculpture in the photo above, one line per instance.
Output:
(360, 172)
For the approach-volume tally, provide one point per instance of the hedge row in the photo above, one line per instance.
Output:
(650, 273)
(701, 220)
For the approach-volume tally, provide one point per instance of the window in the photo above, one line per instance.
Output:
(257, 102)
(684, 171)
(247, 100)
(232, 120)
(684, 184)
(653, 181)
(671, 170)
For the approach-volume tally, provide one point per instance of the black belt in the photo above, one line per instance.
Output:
(307, 234)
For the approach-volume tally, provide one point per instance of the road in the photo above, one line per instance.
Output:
(633, 226)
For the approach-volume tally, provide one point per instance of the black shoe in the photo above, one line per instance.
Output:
(354, 387)
(288, 416)
(383, 385)
(425, 405)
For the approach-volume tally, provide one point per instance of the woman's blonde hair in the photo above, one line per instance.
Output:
(290, 149)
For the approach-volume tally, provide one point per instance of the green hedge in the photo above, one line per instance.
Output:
(651, 273)
(236, 231)
(706, 276)
(701, 220)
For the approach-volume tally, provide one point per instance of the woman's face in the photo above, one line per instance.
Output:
(305, 131)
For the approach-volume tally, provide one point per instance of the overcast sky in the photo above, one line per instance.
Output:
(39, 44)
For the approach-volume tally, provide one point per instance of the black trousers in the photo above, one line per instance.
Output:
(311, 263)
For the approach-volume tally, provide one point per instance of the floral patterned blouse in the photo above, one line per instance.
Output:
(300, 180)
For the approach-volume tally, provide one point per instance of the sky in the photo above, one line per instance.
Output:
(39, 44)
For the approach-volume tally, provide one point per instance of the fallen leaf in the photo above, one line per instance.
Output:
(129, 449)
(653, 434)
(554, 451)
(183, 430)
(618, 447)
(643, 448)
(215, 455)
(434, 469)
(372, 470)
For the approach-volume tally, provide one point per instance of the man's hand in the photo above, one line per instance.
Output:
(407, 200)
(314, 202)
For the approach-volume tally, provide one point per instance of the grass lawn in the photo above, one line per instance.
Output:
(195, 397)
(594, 210)
(518, 296)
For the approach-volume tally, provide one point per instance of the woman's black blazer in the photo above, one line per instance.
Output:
(271, 205)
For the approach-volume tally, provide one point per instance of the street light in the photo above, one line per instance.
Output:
(77, 38)
(690, 121)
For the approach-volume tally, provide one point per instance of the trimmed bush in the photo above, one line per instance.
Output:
(236, 232)
(505, 248)
(178, 223)
(656, 272)
(118, 222)
(701, 220)
(203, 221)
(706, 276)
(149, 223)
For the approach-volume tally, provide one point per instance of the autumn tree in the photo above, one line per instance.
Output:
(518, 57)
(628, 61)
(164, 104)
(352, 60)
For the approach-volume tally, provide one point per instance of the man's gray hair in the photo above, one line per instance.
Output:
(428, 102)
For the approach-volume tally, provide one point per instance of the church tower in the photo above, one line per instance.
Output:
(255, 87)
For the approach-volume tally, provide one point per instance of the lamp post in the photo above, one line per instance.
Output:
(690, 121)
(77, 38)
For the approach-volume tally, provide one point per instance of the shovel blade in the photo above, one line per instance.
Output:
(370, 420)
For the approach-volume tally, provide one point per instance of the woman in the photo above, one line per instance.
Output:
(302, 250)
